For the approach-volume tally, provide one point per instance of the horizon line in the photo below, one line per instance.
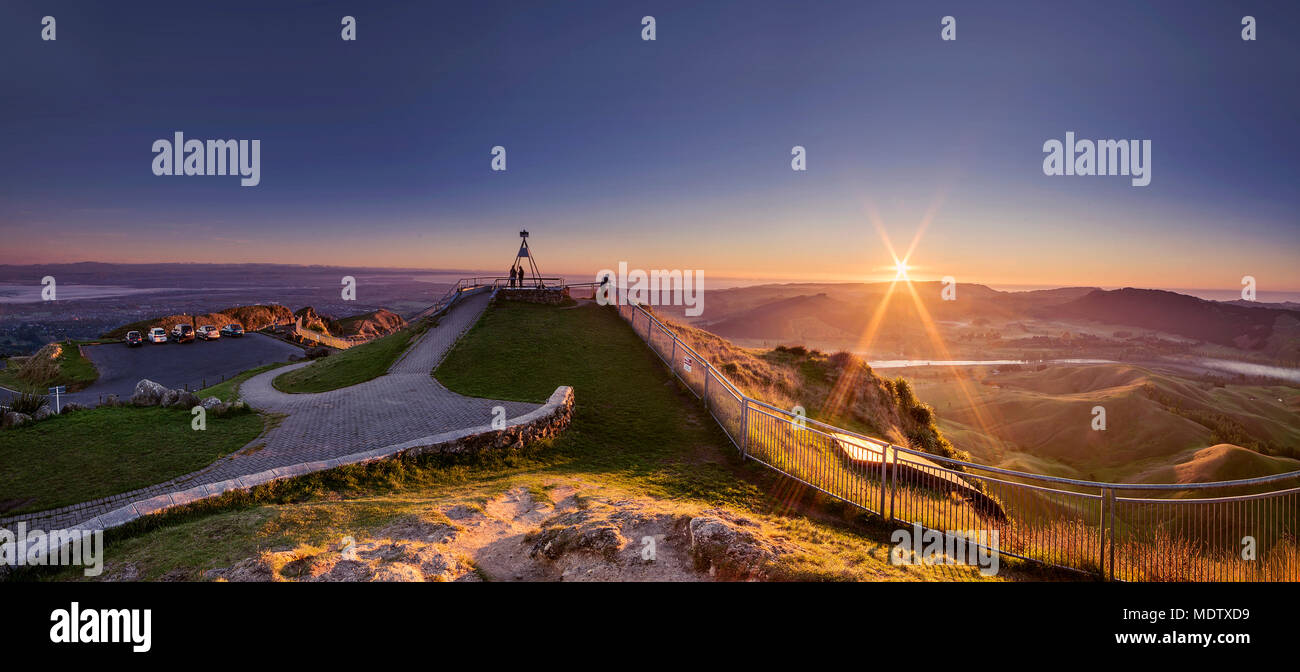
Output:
(756, 280)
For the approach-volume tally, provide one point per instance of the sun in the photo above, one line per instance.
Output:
(901, 270)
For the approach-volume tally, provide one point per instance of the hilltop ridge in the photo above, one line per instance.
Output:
(839, 389)
(252, 318)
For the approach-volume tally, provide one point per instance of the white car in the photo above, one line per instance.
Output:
(208, 332)
(157, 335)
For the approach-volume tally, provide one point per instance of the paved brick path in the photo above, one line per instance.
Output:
(405, 404)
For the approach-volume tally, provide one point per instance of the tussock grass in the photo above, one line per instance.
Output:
(54, 364)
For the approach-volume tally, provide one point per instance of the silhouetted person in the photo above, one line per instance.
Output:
(512, 276)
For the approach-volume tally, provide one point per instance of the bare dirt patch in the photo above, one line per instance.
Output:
(523, 534)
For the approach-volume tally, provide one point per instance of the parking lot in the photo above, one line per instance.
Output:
(176, 365)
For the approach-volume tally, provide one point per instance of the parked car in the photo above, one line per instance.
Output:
(133, 338)
(208, 332)
(232, 329)
(157, 335)
(183, 333)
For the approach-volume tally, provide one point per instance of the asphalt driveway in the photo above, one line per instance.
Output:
(176, 365)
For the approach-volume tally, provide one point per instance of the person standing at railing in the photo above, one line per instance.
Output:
(512, 277)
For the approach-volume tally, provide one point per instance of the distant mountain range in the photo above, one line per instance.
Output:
(827, 312)
(1247, 327)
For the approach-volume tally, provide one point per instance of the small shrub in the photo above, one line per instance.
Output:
(28, 403)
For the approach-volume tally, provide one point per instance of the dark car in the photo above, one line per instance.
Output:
(183, 333)
(232, 330)
(133, 338)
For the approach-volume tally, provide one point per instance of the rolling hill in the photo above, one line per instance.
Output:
(1041, 420)
(1213, 321)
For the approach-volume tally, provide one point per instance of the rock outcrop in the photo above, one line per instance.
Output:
(514, 537)
(14, 419)
(148, 393)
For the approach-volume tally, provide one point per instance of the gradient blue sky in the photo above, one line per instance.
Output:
(666, 154)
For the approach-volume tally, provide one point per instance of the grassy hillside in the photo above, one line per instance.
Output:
(1042, 420)
(99, 452)
(840, 389)
(639, 446)
(1220, 462)
(349, 367)
(54, 364)
(228, 390)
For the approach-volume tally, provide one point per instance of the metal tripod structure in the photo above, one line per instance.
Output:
(526, 253)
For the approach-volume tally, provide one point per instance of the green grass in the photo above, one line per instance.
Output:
(635, 433)
(349, 367)
(631, 421)
(67, 459)
(75, 371)
(229, 389)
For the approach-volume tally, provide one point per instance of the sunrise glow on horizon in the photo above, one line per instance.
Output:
(672, 166)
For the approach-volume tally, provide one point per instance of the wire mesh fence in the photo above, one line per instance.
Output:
(1242, 530)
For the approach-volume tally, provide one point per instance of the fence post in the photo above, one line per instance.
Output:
(1110, 495)
(893, 482)
(1101, 533)
(744, 426)
(672, 358)
(884, 464)
(707, 368)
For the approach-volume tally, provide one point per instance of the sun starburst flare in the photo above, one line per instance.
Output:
(839, 398)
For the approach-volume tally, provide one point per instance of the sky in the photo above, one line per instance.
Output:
(673, 153)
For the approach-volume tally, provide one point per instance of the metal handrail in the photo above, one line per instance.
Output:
(1009, 472)
(1094, 537)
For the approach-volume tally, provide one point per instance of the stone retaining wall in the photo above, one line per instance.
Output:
(550, 296)
(544, 422)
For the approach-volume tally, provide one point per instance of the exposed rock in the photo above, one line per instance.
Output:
(405, 560)
(549, 296)
(13, 419)
(248, 569)
(178, 574)
(415, 527)
(371, 325)
(121, 571)
(168, 398)
(73, 406)
(210, 403)
(110, 401)
(560, 536)
(726, 551)
(147, 393)
(230, 407)
(313, 321)
(251, 318)
(316, 352)
(578, 531)
(183, 399)
(42, 413)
